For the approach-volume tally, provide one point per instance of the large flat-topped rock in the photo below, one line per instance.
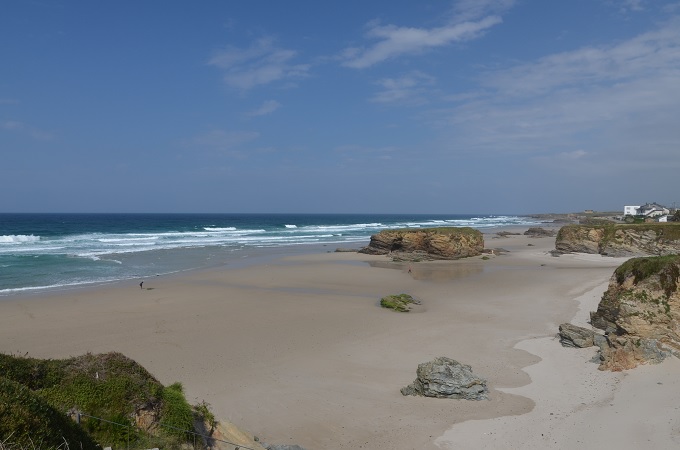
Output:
(427, 243)
(648, 239)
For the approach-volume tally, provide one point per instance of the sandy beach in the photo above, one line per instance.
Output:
(298, 351)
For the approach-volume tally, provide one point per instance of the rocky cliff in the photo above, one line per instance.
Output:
(647, 239)
(640, 313)
(426, 243)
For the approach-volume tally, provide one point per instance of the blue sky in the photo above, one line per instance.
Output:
(468, 106)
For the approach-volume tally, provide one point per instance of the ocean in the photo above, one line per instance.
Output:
(41, 252)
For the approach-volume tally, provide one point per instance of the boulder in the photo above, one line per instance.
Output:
(447, 378)
(640, 313)
(426, 243)
(648, 239)
(574, 336)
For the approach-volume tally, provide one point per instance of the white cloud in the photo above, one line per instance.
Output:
(632, 5)
(465, 10)
(407, 88)
(20, 127)
(357, 154)
(618, 105)
(573, 155)
(649, 54)
(267, 107)
(261, 63)
(395, 41)
(12, 125)
(468, 20)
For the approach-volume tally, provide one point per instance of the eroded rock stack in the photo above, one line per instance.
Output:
(649, 239)
(427, 243)
(639, 315)
(640, 312)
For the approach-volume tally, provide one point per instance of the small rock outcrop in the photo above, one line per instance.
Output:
(447, 378)
(539, 232)
(577, 337)
(640, 313)
(648, 239)
(507, 233)
(426, 243)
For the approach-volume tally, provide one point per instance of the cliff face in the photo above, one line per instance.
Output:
(640, 313)
(648, 239)
(427, 243)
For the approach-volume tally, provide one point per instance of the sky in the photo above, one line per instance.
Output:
(307, 106)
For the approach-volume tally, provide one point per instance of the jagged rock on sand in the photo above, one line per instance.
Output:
(574, 336)
(447, 378)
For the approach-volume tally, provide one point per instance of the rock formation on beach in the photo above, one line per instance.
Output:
(447, 378)
(539, 232)
(639, 314)
(578, 337)
(647, 239)
(426, 243)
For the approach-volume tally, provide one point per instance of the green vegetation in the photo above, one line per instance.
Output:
(24, 414)
(399, 302)
(35, 395)
(667, 267)
(176, 412)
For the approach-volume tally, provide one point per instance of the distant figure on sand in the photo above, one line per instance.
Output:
(140, 285)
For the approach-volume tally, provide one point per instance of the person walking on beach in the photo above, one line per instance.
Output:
(140, 285)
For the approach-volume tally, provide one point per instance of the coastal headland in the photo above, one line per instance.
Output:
(297, 349)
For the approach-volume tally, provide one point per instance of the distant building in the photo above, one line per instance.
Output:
(630, 210)
(653, 210)
(648, 210)
(663, 219)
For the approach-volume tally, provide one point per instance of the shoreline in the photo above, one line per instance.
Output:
(296, 350)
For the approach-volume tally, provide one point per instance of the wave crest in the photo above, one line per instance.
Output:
(18, 238)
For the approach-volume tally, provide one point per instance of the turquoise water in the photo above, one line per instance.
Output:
(51, 251)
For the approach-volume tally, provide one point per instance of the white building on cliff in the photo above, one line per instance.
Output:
(648, 210)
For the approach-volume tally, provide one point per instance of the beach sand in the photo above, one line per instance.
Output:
(298, 351)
